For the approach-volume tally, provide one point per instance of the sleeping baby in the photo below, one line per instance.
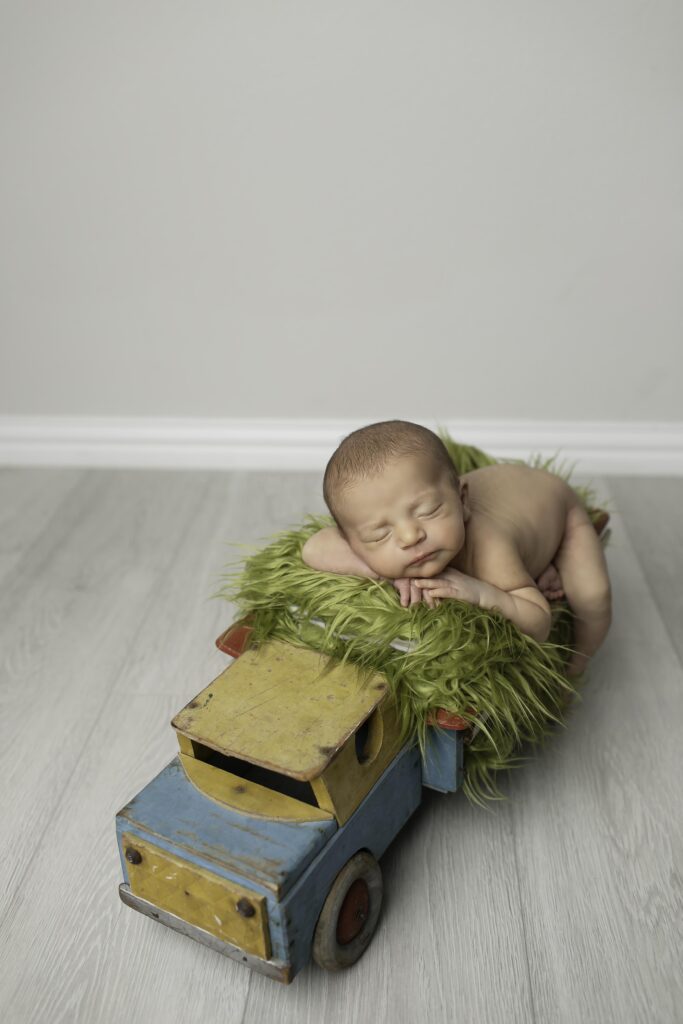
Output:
(504, 537)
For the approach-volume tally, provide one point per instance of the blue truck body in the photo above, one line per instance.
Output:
(288, 867)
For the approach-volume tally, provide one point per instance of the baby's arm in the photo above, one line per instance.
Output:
(525, 606)
(327, 551)
(508, 587)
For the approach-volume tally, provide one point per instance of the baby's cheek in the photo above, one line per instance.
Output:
(382, 565)
(378, 564)
(369, 557)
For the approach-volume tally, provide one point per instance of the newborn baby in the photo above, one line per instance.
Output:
(404, 515)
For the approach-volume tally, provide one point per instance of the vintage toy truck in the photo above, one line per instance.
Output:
(262, 837)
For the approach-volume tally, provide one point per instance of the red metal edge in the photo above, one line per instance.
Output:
(448, 720)
(236, 638)
(600, 522)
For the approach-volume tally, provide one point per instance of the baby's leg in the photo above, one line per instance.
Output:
(582, 566)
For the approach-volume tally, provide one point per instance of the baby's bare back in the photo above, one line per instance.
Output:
(518, 508)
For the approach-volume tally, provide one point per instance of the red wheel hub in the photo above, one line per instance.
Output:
(354, 912)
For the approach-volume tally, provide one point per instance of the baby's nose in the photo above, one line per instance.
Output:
(410, 533)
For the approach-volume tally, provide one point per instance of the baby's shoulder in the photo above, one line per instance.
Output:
(495, 556)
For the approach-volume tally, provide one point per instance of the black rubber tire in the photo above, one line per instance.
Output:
(327, 951)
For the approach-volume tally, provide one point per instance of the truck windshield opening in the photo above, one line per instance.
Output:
(295, 788)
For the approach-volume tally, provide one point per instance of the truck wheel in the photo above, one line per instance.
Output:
(350, 913)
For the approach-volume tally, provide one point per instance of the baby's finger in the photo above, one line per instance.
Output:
(415, 594)
(438, 592)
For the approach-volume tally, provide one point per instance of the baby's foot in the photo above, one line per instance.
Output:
(550, 584)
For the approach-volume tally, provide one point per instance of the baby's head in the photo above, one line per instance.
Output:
(395, 496)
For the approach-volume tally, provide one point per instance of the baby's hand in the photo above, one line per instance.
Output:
(411, 594)
(408, 593)
(451, 583)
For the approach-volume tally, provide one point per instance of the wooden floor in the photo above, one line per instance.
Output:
(561, 904)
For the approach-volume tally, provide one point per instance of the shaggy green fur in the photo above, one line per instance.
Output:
(460, 656)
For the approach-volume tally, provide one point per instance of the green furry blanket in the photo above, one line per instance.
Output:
(456, 656)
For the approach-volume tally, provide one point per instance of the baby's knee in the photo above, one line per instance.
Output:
(594, 600)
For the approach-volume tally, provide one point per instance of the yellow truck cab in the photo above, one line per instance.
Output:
(261, 838)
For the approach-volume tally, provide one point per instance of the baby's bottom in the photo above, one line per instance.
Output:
(583, 570)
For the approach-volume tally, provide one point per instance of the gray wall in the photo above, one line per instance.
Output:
(351, 209)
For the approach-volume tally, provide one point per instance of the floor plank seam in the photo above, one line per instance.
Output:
(14, 569)
(246, 998)
(522, 916)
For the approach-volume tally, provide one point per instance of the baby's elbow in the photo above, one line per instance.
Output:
(538, 632)
(544, 629)
(536, 617)
(539, 628)
(310, 553)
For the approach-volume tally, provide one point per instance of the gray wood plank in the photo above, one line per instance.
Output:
(652, 512)
(28, 500)
(116, 951)
(72, 952)
(563, 904)
(599, 830)
(69, 613)
(450, 940)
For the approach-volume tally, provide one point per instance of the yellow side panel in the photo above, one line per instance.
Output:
(199, 897)
(185, 744)
(248, 797)
(346, 781)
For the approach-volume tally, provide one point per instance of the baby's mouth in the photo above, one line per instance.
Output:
(423, 558)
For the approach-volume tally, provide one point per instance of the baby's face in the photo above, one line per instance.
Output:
(407, 521)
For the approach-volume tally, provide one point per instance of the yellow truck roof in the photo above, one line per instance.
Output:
(274, 707)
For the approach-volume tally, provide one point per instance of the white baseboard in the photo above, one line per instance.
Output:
(306, 444)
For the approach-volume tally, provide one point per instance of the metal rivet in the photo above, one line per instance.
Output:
(245, 908)
(133, 856)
